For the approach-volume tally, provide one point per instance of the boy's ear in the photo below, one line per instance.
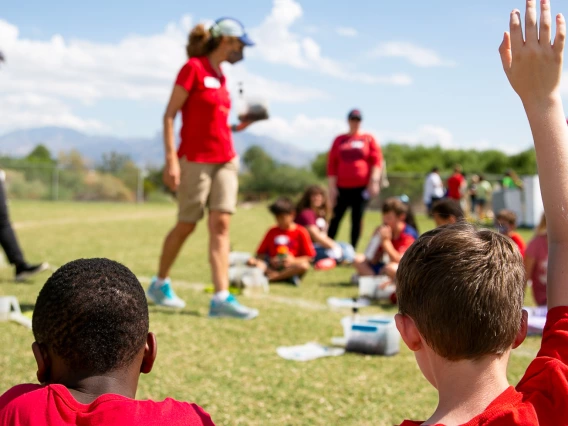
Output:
(409, 332)
(522, 334)
(150, 353)
(43, 361)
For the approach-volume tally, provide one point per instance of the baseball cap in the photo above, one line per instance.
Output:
(355, 114)
(232, 28)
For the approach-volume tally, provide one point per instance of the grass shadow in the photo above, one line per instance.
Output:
(342, 284)
(168, 311)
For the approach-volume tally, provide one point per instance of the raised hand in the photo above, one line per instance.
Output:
(532, 64)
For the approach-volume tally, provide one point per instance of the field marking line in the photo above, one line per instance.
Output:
(90, 220)
(290, 301)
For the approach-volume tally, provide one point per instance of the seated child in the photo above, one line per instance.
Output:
(536, 262)
(396, 235)
(90, 325)
(286, 251)
(447, 212)
(312, 213)
(460, 290)
(506, 222)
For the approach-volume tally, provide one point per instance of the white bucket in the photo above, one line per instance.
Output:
(374, 335)
(372, 287)
(10, 311)
(239, 258)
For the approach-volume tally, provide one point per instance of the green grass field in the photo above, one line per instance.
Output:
(229, 367)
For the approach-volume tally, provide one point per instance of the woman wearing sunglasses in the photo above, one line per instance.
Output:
(204, 169)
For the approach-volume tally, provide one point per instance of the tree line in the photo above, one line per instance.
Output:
(116, 177)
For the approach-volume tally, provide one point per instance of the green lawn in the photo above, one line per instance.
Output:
(229, 367)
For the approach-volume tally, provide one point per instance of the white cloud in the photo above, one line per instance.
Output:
(139, 68)
(22, 109)
(414, 54)
(277, 44)
(309, 133)
(347, 32)
(428, 135)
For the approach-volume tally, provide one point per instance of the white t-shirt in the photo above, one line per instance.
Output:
(433, 187)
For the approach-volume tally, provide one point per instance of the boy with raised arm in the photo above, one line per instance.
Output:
(460, 290)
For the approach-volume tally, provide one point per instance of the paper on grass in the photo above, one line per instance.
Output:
(308, 352)
(345, 302)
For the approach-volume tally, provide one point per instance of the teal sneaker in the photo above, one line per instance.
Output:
(164, 295)
(231, 308)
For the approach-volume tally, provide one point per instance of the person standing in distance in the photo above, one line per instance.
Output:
(433, 189)
(204, 171)
(9, 242)
(354, 175)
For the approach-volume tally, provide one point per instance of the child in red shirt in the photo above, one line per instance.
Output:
(286, 251)
(460, 290)
(536, 262)
(396, 235)
(506, 222)
(90, 325)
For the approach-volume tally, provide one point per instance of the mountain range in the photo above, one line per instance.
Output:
(144, 151)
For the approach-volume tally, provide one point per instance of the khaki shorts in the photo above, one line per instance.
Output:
(203, 185)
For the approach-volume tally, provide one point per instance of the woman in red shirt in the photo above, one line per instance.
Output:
(204, 171)
(354, 171)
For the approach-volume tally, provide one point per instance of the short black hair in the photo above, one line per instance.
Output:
(448, 207)
(92, 313)
(282, 205)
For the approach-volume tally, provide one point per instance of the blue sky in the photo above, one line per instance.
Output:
(421, 72)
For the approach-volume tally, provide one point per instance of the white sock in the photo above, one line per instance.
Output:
(221, 296)
(161, 281)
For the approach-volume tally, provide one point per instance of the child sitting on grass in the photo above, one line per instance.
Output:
(286, 251)
(447, 212)
(460, 290)
(90, 325)
(396, 235)
(536, 262)
(312, 211)
(506, 222)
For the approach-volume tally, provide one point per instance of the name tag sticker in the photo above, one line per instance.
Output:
(212, 82)
(357, 144)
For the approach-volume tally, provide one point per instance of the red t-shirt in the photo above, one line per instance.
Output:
(54, 405)
(308, 217)
(519, 242)
(352, 159)
(455, 183)
(540, 397)
(295, 241)
(405, 239)
(538, 250)
(205, 133)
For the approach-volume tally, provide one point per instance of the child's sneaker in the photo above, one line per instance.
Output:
(231, 308)
(296, 280)
(164, 295)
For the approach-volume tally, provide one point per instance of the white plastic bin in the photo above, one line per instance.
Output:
(373, 335)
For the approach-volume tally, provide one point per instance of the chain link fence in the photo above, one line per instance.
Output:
(56, 183)
(40, 182)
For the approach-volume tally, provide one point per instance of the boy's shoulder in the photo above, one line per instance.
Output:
(18, 391)
(31, 400)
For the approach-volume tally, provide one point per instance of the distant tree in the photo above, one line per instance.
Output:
(40, 154)
(258, 161)
(113, 162)
(73, 161)
(319, 165)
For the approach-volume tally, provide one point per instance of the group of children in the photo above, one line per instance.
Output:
(460, 292)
